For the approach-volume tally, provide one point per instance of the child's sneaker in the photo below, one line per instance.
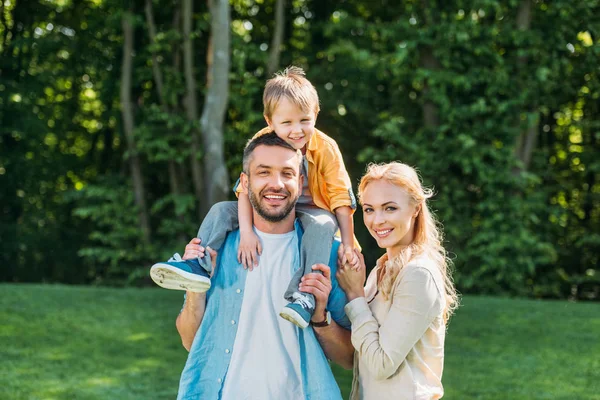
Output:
(181, 274)
(299, 312)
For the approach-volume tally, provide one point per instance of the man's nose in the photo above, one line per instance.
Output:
(277, 181)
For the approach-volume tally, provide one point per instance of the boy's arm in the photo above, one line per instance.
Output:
(346, 224)
(249, 248)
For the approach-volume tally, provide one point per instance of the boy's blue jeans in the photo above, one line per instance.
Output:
(319, 227)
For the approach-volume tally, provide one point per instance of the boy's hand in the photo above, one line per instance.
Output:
(249, 250)
(347, 256)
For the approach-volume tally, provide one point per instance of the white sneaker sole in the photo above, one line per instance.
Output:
(169, 277)
(293, 317)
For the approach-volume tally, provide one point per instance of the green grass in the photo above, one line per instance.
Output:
(63, 342)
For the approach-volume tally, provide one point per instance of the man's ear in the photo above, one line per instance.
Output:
(300, 183)
(244, 182)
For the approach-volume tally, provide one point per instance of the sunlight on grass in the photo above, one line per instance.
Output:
(138, 336)
(100, 343)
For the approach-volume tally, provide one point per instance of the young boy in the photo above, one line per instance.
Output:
(291, 106)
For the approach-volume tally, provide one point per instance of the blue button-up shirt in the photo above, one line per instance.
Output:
(206, 368)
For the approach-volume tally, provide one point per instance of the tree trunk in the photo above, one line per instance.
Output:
(527, 138)
(191, 105)
(128, 125)
(277, 40)
(431, 119)
(158, 78)
(215, 104)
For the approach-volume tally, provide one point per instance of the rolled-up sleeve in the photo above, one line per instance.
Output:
(416, 301)
(338, 184)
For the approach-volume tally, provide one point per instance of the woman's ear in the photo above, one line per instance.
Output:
(417, 210)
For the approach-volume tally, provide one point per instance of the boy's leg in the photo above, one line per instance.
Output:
(221, 219)
(319, 228)
(194, 274)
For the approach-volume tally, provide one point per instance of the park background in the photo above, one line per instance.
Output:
(121, 122)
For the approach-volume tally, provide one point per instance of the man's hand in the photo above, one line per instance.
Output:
(249, 250)
(194, 250)
(318, 285)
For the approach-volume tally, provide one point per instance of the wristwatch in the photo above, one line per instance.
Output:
(325, 322)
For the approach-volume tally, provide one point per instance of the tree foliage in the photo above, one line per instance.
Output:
(495, 102)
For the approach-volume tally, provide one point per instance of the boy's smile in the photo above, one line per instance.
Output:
(292, 124)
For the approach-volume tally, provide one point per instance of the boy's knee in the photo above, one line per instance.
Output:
(223, 207)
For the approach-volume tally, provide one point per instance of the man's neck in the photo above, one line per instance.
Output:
(284, 226)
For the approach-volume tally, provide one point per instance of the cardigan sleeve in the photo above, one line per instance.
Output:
(415, 303)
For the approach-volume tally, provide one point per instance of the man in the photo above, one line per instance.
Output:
(239, 346)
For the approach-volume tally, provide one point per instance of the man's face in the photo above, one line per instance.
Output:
(273, 182)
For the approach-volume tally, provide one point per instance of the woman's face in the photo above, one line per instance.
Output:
(389, 215)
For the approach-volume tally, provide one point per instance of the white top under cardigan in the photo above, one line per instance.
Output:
(400, 342)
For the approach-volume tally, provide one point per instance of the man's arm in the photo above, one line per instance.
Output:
(189, 319)
(334, 339)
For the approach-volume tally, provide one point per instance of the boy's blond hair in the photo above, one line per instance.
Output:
(292, 84)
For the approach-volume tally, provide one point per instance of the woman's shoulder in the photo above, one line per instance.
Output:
(421, 269)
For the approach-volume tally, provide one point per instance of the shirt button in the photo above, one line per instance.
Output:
(219, 380)
(238, 291)
(227, 351)
(232, 322)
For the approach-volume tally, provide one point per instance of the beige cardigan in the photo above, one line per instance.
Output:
(400, 342)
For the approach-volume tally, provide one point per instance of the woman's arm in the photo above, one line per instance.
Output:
(416, 301)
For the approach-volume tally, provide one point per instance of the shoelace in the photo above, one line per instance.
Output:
(303, 300)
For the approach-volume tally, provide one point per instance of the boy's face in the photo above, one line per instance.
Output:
(292, 124)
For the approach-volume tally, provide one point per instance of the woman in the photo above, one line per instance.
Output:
(399, 318)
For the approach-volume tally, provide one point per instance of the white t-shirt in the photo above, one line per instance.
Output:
(265, 360)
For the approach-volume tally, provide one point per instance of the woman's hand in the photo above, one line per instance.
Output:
(249, 250)
(320, 286)
(352, 280)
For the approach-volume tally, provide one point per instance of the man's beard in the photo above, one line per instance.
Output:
(264, 213)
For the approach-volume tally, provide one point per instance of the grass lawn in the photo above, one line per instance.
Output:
(64, 342)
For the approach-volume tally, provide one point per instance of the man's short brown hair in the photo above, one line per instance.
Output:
(292, 84)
